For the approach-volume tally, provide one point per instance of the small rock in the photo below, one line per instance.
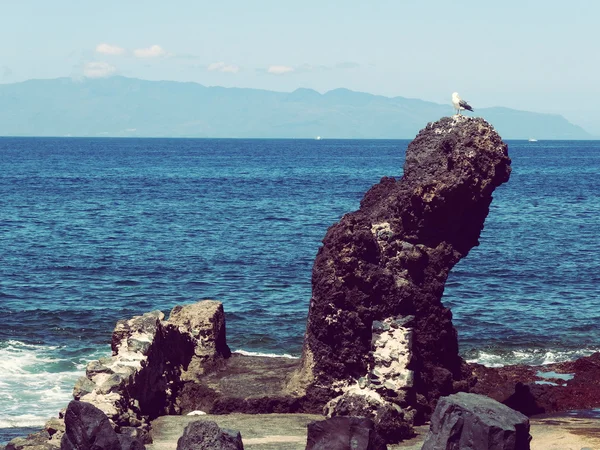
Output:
(112, 384)
(343, 433)
(96, 367)
(54, 426)
(206, 435)
(138, 345)
(82, 387)
(390, 385)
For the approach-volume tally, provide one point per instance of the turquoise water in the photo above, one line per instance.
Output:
(95, 230)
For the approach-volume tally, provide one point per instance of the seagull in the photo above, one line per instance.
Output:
(460, 103)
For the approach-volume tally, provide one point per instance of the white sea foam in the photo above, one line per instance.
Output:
(35, 378)
(265, 355)
(24, 420)
(528, 356)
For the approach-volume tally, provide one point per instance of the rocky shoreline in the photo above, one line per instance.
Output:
(378, 344)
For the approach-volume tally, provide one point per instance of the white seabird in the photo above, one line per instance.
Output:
(459, 103)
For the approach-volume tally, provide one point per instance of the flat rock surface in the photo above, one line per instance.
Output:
(288, 431)
(259, 431)
(251, 376)
(562, 432)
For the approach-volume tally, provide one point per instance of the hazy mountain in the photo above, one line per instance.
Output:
(119, 106)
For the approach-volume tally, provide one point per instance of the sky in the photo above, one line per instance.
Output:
(533, 55)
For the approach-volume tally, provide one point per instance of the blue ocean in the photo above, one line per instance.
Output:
(97, 230)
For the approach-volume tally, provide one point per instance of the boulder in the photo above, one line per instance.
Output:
(375, 317)
(475, 422)
(88, 428)
(206, 435)
(390, 421)
(343, 433)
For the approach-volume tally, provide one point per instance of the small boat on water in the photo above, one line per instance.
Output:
(532, 140)
(318, 138)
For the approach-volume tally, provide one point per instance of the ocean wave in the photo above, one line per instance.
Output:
(265, 355)
(24, 420)
(18, 357)
(37, 378)
(14, 344)
(534, 356)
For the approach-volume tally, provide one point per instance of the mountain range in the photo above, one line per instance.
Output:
(120, 106)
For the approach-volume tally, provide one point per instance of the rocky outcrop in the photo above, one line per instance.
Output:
(462, 421)
(152, 358)
(35, 441)
(376, 323)
(565, 386)
(342, 433)
(206, 435)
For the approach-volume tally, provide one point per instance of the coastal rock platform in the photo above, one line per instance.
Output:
(288, 431)
(244, 384)
(551, 388)
(259, 431)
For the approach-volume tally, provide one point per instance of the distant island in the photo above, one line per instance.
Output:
(129, 107)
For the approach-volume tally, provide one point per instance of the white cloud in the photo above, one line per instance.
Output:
(98, 69)
(154, 51)
(222, 67)
(280, 70)
(107, 49)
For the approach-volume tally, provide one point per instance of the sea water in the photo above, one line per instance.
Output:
(97, 230)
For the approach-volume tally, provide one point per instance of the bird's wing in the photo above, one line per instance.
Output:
(465, 105)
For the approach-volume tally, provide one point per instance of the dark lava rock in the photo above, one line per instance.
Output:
(129, 442)
(88, 428)
(35, 441)
(343, 433)
(388, 418)
(469, 421)
(391, 259)
(206, 435)
(546, 389)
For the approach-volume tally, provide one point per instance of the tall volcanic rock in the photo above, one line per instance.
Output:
(376, 325)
